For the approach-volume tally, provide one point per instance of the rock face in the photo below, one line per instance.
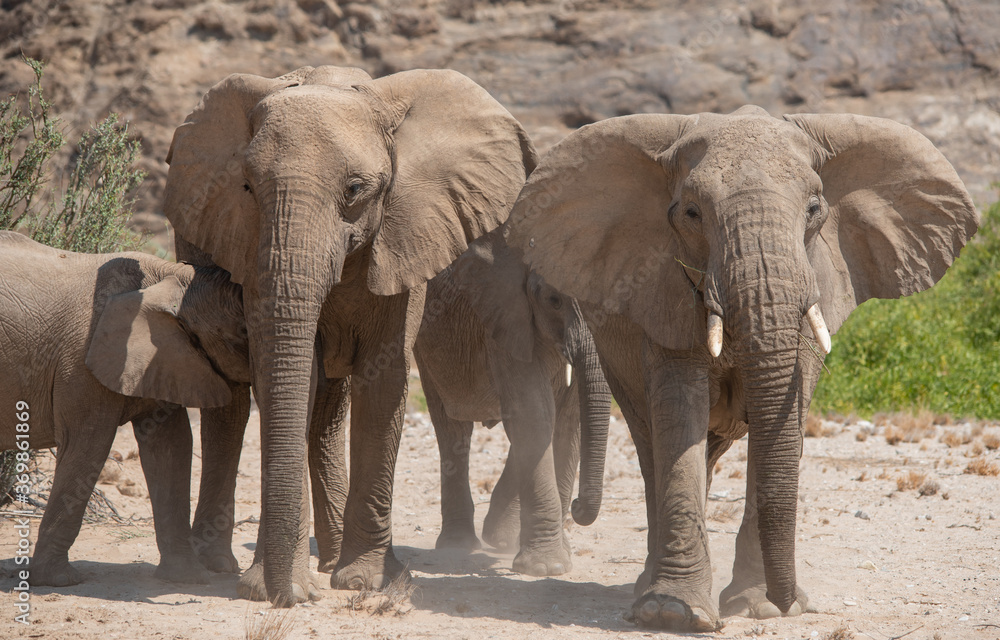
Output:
(932, 64)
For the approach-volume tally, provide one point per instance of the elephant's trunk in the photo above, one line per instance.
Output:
(595, 413)
(282, 322)
(776, 408)
(768, 286)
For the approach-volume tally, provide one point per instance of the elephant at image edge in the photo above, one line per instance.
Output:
(494, 344)
(332, 198)
(716, 247)
(137, 337)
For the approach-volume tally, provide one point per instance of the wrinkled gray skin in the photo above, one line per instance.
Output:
(91, 342)
(657, 222)
(494, 345)
(333, 198)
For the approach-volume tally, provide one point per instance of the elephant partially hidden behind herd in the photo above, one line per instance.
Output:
(692, 266)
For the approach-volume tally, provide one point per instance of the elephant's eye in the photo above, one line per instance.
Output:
(691, 211)
(246, 187)
(353, 190)
(555, 301)
(814, 208)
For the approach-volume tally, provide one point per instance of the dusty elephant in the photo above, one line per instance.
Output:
(332, 198)
(716, 255)
(90, 342)
(495, 344)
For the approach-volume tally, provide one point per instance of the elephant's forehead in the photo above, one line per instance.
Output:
(752, 151)
(315, 106)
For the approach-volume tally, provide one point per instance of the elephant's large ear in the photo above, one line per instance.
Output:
(592, 220)
(460, 161)
(206, 199)
(492, 279)
(899, 214)
(140, 349)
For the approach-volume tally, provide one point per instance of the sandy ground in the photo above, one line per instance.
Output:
(878, 562)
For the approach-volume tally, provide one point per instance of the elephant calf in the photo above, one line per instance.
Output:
(90, 342)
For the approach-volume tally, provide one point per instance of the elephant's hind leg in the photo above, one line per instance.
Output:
(164, 438)
(222, 431)
(79, 461)
(454, 437)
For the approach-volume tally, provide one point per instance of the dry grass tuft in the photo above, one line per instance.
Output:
(485, 485)
(815, 428)
(976, 449)
(394, 598)
(982, 467)
(736, 473)
(843, 632)
(861, 436)
(725, 512)
(991, 441)
(906, 427)
(930, 487)
(953, 438)
(111, 473)
(270, 624)
(862, 477)
(911, 480)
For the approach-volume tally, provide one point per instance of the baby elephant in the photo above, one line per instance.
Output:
(90, 342)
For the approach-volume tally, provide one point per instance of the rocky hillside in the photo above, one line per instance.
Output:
(933, 64)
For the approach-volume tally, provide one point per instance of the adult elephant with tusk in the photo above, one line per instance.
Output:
(713, 256)
(333, 198)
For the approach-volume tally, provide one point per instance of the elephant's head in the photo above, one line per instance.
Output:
(527, 317)
(740, 235)
(178, 340)
(324, 177)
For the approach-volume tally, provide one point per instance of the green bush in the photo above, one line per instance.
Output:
(937, 350)
(92, 210)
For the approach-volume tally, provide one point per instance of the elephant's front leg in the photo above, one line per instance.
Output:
(222, 431)
(164, 439)
(746, 595)
(528, 412)
(378, 404)
(678, 597)
(328, 467)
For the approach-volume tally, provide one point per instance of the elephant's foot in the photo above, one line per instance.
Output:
(305, 585)
(658, 610)
(184, 569)
(54, 573)
(219, 559)
(375, 570)
(544, 560)
(752, 602)
(327, 565)
(503, 532)
(458, 536)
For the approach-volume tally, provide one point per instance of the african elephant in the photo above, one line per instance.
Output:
(495, 343)
(90, 342)
(332, 198)
(714, 255)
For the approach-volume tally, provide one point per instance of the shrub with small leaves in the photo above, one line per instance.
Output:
(91, 212)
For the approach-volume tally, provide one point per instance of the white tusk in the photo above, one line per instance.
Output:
(818, 325)
(714, 335)
(569, 374)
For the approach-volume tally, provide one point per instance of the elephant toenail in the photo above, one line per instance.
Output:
(672, 613)
(649, 611)
(794, 610)
(766, 610)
